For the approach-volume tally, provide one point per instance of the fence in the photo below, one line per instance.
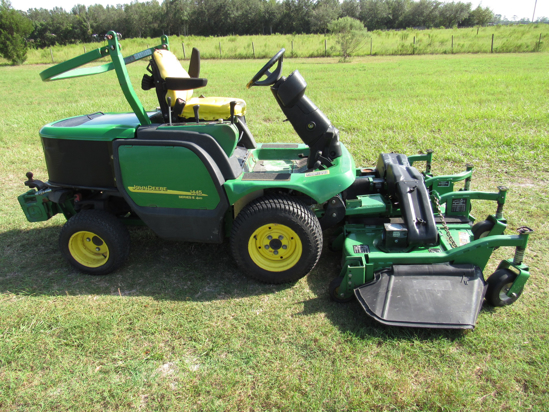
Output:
(408, 42)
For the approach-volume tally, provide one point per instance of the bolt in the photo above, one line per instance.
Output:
(97, 249)
(88, 239)
(350, 283)
(334, 214)
(269, 237)
(333, 202)
(341, 294)
(280, 237)
(284, 247)
(276, 252)
(266, 246)
(112, 47)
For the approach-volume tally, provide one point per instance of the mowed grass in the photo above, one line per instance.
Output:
(180, 328)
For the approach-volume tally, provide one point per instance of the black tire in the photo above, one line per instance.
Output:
(287, 228)
(95, 242)
(333, 290)
(498, 285)
(482, 229)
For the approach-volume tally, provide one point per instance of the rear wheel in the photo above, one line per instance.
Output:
(276, 239)
(94, 242)
(499, 285)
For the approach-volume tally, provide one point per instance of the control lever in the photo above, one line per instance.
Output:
(170, 110)
(232, 104)
(196, 108)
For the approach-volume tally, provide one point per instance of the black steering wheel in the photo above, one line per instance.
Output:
(272, 77)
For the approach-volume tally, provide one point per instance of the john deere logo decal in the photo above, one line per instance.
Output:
(158, 190)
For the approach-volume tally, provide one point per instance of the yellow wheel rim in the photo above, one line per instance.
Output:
(88, 249)
(275, 247)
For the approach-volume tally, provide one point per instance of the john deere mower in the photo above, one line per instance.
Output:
(191, 170)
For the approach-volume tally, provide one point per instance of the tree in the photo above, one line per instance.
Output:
(350, 35)
(479, 17)
(374, 14)
(323, 13)
(14, 29)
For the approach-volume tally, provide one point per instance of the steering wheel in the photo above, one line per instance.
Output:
(272, 77)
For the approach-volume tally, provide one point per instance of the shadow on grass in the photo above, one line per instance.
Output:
(350, 317)
(31, 264)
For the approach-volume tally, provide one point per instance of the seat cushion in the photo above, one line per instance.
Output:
(213, 108)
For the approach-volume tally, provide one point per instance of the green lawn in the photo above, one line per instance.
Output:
(180, 328)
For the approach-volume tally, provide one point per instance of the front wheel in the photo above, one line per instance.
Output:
(499, 285)
(94, 242)
(276, 239)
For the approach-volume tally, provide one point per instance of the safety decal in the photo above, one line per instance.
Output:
(319, 173)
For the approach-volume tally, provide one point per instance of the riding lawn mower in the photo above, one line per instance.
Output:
(191, 170)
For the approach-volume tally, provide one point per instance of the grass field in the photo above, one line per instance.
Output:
(180, 328)
(515, 38)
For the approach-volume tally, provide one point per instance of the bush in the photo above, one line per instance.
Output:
(350, 35)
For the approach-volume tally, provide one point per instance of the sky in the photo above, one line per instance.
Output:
(508, 8)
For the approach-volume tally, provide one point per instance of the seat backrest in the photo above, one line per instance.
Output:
(168, 66)
(164, 64)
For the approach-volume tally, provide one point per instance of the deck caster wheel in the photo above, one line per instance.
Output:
(94, 242)
(482, 229)
(498, 286)
(333, 289)
(276, 239)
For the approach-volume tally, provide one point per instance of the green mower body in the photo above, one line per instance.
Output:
(412, 252)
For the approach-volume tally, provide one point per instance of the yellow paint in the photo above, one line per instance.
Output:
(275, 247)
(211, 108)
(163, 191)
(88, 249)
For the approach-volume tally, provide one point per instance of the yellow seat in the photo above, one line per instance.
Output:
(211, 108)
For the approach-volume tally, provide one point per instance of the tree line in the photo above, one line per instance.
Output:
(242, 17)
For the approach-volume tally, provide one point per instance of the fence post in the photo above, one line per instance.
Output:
(292, 48)
(492, 47)
(539, 42)
(51, 52)
(253, 49)
(452, 44)
(325, 47)
(414, 50)
(220, 50)
(84, 49)
(371, 44)
(184, 54)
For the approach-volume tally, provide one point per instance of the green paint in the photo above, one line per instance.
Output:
(71, 68)
(366, 205)
(167, 176)
(320, 187)
(108, 127)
